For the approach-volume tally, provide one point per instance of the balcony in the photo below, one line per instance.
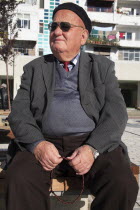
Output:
(129, 3)
(24, 47)
(100, 9)
(103, 17)
(27, 34)
(109, 40)
(130, 43)
(98, 3)
(127, 16)
(114, 18)
(24, 51)
(123, 19)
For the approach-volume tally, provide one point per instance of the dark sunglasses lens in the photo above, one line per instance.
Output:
(65, 26)
(53, 26)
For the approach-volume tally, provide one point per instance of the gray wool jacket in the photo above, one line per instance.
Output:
(100, 97)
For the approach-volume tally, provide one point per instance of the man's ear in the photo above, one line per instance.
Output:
(85, 36)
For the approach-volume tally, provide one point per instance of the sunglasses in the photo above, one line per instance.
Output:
(64, 26)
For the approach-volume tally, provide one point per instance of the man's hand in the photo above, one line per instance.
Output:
(81, 160)
(47, 154)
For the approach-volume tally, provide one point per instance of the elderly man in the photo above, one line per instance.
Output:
(69, 105)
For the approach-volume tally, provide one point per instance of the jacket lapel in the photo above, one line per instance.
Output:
(89, 100)
(84, 73)
(48, 69)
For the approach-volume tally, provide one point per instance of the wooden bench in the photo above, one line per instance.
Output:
(6, 133)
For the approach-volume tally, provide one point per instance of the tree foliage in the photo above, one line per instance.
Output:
(8, 28)
(8, 34)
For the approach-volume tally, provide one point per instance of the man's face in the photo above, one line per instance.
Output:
(66, 45)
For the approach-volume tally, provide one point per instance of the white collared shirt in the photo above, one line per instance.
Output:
(72, 63)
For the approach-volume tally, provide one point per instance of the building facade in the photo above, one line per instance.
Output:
(115, 34)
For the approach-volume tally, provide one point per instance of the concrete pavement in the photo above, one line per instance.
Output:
(131, 138)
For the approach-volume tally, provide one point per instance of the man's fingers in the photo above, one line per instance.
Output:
(53, 160)
(57, 160)
(47, 168)
(55, 152)
(47, 154)
(81, 167)
(75, 161)
(82, 173)
(49, 163)
(46, 162)
(74, 154)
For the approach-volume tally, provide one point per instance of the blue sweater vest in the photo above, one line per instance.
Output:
(66, 115)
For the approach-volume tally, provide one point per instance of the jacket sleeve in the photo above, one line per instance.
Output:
(113, 116)
(21, 119)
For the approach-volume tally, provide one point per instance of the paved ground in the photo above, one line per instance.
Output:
(133, 113)
(131, 138)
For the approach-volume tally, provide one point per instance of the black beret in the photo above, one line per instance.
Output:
(78, 10)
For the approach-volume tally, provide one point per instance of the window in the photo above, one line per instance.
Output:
(125, 35)
(131, 12)
(137, 12)
(94, 33)
(128, 36)
(101, 9)
(41, 25)
(32, 2)
(22, 51)
(23, 21)
(40, 51)
(42, 4)
(97, 3)
(129, 54)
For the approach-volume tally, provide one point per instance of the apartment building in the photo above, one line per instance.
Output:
(115, 34)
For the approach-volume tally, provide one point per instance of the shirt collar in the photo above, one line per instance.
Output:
(73, 61)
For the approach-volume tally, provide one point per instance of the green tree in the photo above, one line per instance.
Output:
(8, 34)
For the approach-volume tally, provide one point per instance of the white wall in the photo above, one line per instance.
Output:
(114, 18)
(138, 96)
(16, 71)
(129, 43)
(101, 17)
(20, 61)
(32, 33)
(127, 70)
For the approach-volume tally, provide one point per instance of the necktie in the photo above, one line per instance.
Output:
(66, 63)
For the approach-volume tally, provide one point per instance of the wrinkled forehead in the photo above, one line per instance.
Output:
(68, 16)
